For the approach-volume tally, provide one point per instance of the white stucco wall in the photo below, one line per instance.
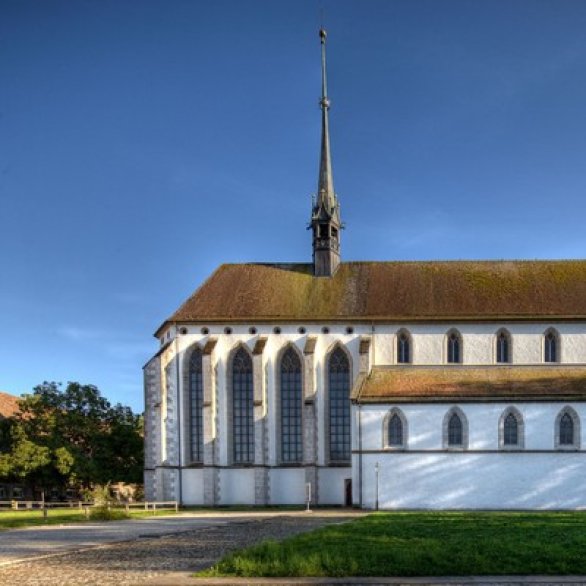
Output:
(332, 483)
(237, 486)
(287, 486)
(479, 342)
(476, 480)
(192, 486)
(428, 348)
(424, 475)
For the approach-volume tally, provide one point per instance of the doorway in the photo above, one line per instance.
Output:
(348, 492)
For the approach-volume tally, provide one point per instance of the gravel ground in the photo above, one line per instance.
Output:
(134, 562)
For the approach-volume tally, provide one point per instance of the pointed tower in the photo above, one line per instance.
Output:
(325, 216)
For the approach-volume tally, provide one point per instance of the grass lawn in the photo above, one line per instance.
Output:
(423, 544)
(9, 518)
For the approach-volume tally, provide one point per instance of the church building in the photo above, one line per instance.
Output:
(433, 385)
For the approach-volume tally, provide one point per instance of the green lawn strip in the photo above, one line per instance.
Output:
(423, 544)
(32, 518)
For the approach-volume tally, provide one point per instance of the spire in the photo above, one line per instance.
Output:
(326, 197)
(325, 217)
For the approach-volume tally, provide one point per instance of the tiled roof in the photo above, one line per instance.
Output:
(8, 404)
(393, 291)
(454, 383)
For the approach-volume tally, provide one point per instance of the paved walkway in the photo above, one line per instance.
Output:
(143, 551)
(25, 544)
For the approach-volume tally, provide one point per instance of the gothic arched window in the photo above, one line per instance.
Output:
(403, 347)
(291, 403)
(567, 430)
(551, 346)
(511, 429)
(195, 407)
(455, 429)
(395, 431)
(503, 346)
(242, 408)
(339, 406)
(454, 347)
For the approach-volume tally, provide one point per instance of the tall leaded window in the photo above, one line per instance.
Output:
(339, 406)
(510, 431)
(455, 431)
(403, 348)
(503, 347)
(454, 342)
(195, 407)
(291, 405)
(395, 431)
(566, 430)
(242, 408)
(550, 346)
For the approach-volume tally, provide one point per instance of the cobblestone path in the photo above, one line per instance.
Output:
(143, 559)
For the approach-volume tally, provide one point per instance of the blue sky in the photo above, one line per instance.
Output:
(143, 143)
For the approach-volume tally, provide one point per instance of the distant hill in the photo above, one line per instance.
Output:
(8, 404)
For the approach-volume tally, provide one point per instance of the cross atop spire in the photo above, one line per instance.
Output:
(325, 217)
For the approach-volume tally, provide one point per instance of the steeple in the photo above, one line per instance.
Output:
(325, 216)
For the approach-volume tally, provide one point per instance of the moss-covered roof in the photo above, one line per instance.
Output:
(412, 384)
(379, 291)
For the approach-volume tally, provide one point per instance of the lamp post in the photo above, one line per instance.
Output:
(376, 468)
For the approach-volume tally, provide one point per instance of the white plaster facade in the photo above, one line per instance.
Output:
(424, 474)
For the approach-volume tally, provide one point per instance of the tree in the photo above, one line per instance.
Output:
(73, 437)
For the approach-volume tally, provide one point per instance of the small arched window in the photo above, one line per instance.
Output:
(242, 408)
(395, 430)
(511, 429)
(403, 347)
(196, 407)
(454, 347)
(339, 406)
(551, 343)
(291, 403)
(567, 430)
(455, 430)
(503, 347)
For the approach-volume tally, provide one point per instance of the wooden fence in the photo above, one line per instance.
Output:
(44, 506)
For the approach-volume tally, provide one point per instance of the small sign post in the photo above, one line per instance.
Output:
(376, 469)
(308, 496)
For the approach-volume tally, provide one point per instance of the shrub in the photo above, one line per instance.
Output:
(103, 513)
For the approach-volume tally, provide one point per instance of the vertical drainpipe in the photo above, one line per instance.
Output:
(179, 420)
(359, 455)
(373, 337)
